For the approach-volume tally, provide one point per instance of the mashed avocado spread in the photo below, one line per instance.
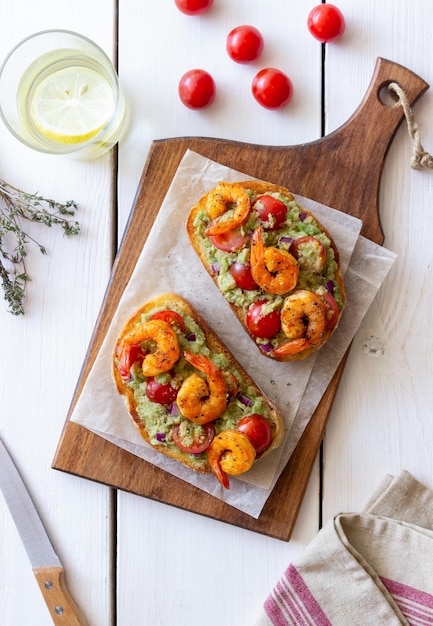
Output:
(296, 225)
(161, 421)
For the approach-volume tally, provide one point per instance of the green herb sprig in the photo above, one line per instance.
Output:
(16, 206)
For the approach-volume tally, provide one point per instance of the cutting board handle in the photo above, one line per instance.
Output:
(343, 169)
(377, 97)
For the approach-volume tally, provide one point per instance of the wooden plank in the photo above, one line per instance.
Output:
(65, 292)
(350, 161)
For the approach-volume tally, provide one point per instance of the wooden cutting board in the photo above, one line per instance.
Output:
(342, 170)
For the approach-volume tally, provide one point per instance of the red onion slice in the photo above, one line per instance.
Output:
(174, 410)
(245, 400)
(330, 286)
(266, 347)
(285, 239)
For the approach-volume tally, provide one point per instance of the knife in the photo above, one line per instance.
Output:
(45, 563)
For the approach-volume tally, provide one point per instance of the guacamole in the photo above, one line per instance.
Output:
(297, 233)
(163, 421)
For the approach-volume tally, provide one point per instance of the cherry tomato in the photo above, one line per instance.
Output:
(259, 325)
(127, 359)
(270, 210)
(160, 393)
(229, 242)
(258, 430)
(200, 441)
(197, 89)
(315, 258)
(193, 7)
(271, 88)
(171, 317)
(241, 272)
(244, 44)
(332, 310)
(326, 23)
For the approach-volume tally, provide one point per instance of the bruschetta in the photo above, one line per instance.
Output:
(186, 393)
(275, 264)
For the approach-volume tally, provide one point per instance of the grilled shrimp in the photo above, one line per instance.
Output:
(275, 271)
(218, 202)
(303, 321)
(154, 341)
(231, 452)
(202, 400)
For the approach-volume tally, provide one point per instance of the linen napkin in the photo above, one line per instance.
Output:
(367, 569)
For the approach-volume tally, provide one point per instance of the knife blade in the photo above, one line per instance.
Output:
(46, 565)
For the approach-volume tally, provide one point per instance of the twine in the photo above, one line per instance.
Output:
(420, 159)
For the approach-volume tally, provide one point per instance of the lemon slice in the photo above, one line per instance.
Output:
(72, 105)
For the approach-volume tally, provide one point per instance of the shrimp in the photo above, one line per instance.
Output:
(202, 400)
(275, 271)
(303, 321)
(159, 355)
(218, 202)
(231, 452)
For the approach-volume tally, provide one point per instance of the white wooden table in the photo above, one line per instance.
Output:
(130, 561)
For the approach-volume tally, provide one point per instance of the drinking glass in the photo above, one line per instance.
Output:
(60, 94)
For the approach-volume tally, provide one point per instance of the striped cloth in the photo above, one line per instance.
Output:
(369, 569)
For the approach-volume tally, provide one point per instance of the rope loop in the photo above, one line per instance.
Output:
(420, 159)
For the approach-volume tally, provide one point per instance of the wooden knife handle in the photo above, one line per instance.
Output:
(61, 606)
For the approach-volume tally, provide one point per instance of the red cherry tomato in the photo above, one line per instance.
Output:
(270, 210)
(193, 7)
(171, 317)
(160, 393)
(127, 358)
(258, 430)
(271, 88)
(244, 44)
(326, 23)
(332, 310)
(200, 442)
(241, 272)
(197, 89)
(229, 242)
(315, 257)
(259, 325)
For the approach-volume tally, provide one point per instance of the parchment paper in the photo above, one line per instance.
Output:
(168, 263)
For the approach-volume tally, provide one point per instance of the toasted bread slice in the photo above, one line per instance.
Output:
(306, 320)
(160, 424)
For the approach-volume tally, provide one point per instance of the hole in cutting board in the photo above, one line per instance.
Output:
(386, 96)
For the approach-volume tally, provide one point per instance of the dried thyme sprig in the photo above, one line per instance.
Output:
(15, 206)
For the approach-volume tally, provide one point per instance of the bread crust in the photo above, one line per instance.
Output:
(216, 346)
(259, 188)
